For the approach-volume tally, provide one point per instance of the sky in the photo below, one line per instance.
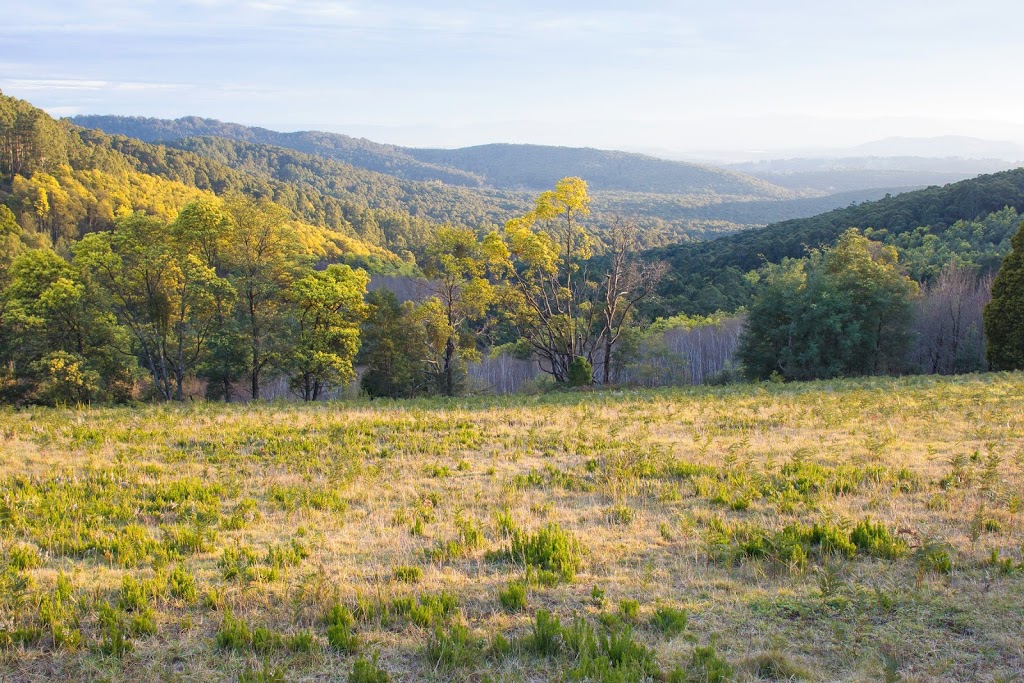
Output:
(677, 77)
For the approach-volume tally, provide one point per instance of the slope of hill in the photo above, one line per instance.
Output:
(706, 276)
(537, 167)
(64, 181)
(500, 166)
(360, 152)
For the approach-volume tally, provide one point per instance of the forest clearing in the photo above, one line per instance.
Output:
(843, 530)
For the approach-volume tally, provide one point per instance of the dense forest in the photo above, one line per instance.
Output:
(217, 267)
(671, 201)
(499, 166)
(928, 226)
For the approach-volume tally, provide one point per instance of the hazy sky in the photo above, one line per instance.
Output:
(682, 75)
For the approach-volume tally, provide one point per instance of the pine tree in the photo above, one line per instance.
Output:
(1004, 315)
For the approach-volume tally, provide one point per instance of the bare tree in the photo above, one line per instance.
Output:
(627, 282)
(948, 323)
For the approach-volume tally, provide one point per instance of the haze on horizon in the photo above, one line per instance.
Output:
(672, 76)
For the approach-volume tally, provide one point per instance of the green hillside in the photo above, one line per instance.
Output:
(373, 156)
(927, 225)
(63, 181)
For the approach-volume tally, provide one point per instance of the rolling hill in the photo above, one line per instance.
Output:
(498, 166)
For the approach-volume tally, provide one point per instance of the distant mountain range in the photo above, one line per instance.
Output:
(499, 166)
(844, 174)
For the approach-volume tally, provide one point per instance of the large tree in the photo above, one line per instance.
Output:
(841, 311)
(327, 307)
(627, 282)
(60, 341)
(394, 348)
(567, 304)
(456, 265)
(1004, 315)
(161, 290)
(263, 256)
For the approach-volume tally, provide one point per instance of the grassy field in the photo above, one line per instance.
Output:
(840, 531)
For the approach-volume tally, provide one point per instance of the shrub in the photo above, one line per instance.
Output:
(182, 585)
(545, 638)
(266, 641)
(705, 666)
(670, 621)
(340, 635)
(452, 649)
(629, 609)
(368, 671)
(581, 372)
(407, 573)
(264, 674)
(876, 540)
(774, 666)
(303, 641)
(549, 549)
(513, 598)
(934, 557)
(21, 557)
(233, 634)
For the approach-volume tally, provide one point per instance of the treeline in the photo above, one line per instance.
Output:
(225, 297)
(223, 294)
(389, 159)
(499, 166)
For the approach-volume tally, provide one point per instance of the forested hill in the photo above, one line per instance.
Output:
(711, 275)
(360, 152)
(537, 166)
(66, 181)
(499, 166)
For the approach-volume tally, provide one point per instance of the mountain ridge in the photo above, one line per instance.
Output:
(535, 167)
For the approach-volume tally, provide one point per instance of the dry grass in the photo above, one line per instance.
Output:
(669, 501)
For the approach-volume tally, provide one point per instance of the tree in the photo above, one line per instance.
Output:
(545, 251)
(263, 258)
(565, 306)
(1004, 315)
(162, 291)
(393, 348)
(948, 322)
(205, 231)
(328, 307)
(627, 282)
(455, 265)
(841, 311)
(61, 342)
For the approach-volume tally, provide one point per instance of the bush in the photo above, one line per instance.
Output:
(340, 623)
(550, 549)
(545, 638)
(705, 666)
(513, 598)
(264, 674)
(233, 633)
(581, 372)
(368, 671)
(407, 573)
(670, 621)
(877, 540)
(452, 650)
